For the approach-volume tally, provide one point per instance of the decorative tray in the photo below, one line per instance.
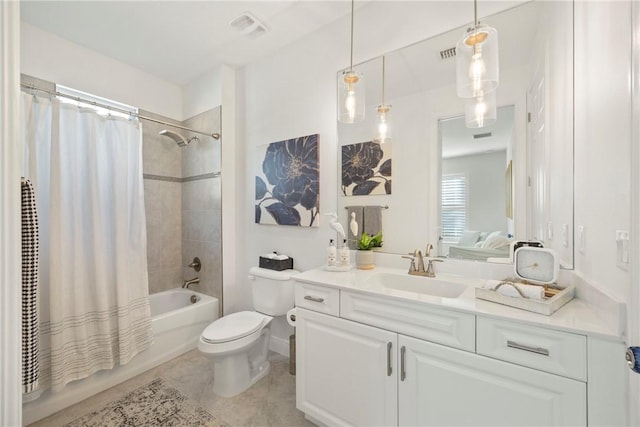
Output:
(547, 306)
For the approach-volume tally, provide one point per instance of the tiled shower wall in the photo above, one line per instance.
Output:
(182, 200)
(201, 205)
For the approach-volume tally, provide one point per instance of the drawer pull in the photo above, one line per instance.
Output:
(403, 353)
(314, 299)
(389, 371)
(537, 350)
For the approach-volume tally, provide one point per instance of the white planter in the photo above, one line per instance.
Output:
(364, 260)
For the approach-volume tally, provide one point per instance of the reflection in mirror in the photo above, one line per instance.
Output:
(475, 209)
(536, 81)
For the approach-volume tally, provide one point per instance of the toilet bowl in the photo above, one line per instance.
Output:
(239, 343)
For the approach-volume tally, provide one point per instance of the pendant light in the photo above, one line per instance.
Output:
(383, 109)
(477, 59)
(480, 111)
(351, 94)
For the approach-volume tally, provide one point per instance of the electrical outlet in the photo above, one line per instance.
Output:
(622, 249)
(549, 230)
(565, 235)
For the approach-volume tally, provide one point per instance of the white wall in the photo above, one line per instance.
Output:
(52, 58)
(293, 93)
(602, 140)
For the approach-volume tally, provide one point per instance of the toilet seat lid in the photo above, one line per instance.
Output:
(233, 327)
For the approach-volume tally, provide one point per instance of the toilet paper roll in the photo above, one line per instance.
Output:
(291, 313)
(510, 289)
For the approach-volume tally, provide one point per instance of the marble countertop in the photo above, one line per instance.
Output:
(577, 316)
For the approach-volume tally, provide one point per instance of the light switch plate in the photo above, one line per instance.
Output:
(622, 249)
(581, 239)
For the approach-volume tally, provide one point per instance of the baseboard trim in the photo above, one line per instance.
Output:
(279, 345)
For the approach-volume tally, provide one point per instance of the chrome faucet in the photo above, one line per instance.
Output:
(420, 270)
(413, 270)
(430, 271)
(190, 282)
(427, 251)
(418, 255)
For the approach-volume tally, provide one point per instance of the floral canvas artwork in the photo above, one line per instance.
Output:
(366, 169)
(287, 186)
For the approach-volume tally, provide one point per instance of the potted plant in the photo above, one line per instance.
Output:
(364, 254)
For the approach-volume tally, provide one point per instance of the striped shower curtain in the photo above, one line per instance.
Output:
(87, 171)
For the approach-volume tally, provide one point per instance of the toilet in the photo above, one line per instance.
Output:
(239, 343)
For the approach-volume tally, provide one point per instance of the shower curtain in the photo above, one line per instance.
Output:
(87, 172)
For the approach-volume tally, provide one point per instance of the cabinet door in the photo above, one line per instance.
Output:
(441, 386)
(345, 371)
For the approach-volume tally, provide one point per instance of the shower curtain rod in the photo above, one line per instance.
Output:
(214, 135)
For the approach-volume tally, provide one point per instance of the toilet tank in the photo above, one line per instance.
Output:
(273, 291)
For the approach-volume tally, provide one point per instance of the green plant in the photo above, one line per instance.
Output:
(366, 242)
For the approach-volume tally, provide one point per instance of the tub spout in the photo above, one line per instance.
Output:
(190, 282)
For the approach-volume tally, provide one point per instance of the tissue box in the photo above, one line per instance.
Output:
(276, 264)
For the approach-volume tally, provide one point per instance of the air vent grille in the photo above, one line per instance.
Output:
(482, 135)
(248, 24)
(448, 53)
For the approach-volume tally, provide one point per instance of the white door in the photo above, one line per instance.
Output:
(441, 386)
(346, 372)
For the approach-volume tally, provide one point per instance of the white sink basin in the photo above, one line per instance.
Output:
(418, 284)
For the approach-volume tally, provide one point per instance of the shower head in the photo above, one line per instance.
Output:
(179, 139)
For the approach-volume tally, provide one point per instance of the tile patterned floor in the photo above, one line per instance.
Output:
(270, 402)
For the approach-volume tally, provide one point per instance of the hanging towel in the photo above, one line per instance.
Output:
(372, 220)
(351, 239)
(30, 336)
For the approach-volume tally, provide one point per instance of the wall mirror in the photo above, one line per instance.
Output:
(530, 194)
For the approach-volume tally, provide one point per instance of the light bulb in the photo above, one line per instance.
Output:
(383, 126)
(382, 130)
(477, 71)
(480, 111)
(350, 103)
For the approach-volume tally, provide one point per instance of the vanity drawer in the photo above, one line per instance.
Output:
(557, 352)
(318, 298)
(447, 327)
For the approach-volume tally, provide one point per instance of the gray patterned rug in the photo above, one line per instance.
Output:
(154, 404)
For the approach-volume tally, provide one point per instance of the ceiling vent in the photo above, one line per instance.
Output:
(448, 53)
(482, 135)
(248, 24)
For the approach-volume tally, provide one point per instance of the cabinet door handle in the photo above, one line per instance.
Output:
(403, 352)
(537, 350)
(389, 370)
(314, 299)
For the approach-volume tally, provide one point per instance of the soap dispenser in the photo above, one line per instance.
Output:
(331, 254)
(344, 254)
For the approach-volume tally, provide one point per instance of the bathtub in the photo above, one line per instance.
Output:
(176, 323)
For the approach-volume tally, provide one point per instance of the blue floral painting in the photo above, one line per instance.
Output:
(287, 190)
(366, 169)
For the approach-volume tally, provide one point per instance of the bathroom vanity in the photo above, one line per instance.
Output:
(384, 348)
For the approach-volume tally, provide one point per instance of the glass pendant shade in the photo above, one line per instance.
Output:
(480, 111)
(383, 126)
(477, 68)
(351, 97)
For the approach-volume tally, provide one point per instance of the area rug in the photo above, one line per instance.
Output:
(154, 404)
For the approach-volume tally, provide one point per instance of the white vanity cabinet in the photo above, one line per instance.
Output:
(442, 386)
(359, 368)
(345, 371)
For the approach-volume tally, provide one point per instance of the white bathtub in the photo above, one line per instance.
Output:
(177, 324)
